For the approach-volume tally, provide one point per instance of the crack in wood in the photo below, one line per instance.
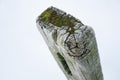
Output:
(64, 63)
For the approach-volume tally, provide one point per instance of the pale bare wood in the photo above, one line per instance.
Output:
(72, 44)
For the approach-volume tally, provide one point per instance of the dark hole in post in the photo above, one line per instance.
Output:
(62, 60)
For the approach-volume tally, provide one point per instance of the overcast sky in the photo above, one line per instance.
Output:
(23, 52)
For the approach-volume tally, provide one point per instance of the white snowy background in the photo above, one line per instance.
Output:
(23, 52)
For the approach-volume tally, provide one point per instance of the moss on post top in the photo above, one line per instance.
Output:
(57, 17)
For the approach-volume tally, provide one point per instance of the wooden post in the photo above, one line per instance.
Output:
(72, 44)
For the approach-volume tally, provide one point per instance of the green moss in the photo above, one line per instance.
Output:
(57, 19)
(64, 64)
(45, 15)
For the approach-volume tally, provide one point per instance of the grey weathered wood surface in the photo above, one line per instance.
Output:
(72, 44)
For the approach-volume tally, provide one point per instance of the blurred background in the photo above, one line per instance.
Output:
(24, 54)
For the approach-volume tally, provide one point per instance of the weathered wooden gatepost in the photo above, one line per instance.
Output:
(72, 44)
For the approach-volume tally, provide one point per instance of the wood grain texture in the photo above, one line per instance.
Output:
(72, 44)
